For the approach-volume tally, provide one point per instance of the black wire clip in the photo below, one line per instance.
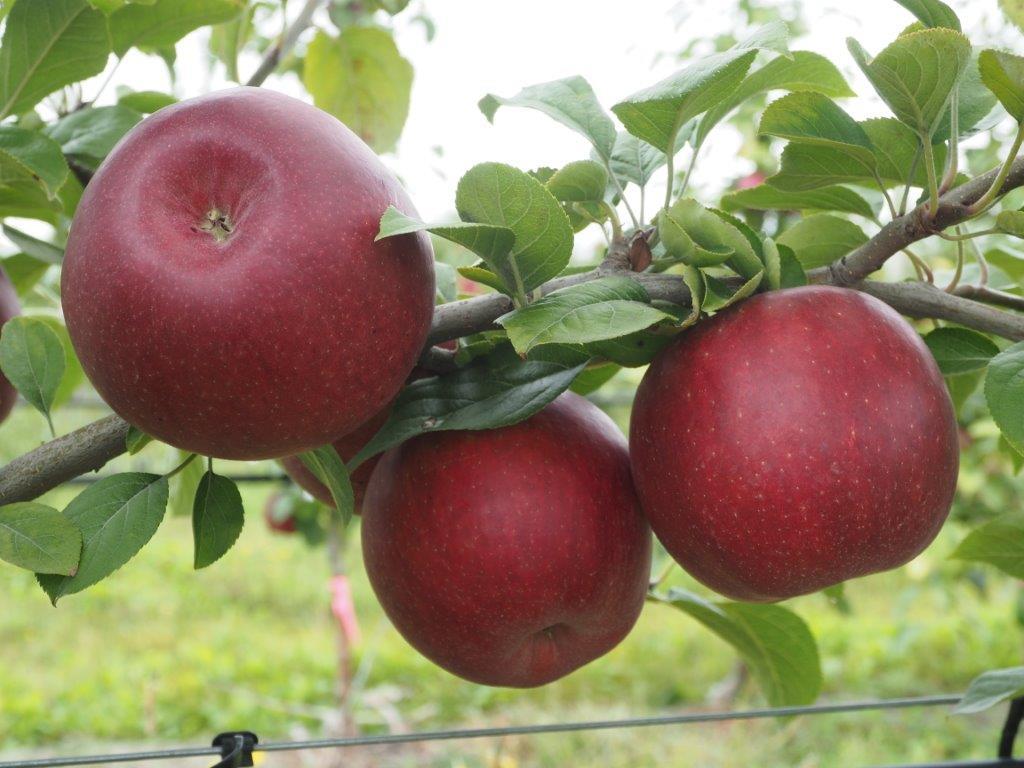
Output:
(236, 748)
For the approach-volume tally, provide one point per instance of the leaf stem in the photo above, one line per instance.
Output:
(968, 236)
(622, 196)
(886, 195)
(910, 181)
(959, 266)
(185, 463)
(924, 272)
(983, 202)
(953, 161)
(933, 181)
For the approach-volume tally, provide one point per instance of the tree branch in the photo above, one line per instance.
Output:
(954, 208)
(284, 45)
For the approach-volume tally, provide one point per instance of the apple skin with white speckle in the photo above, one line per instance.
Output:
(9, 307)
(512, 556)
(222, 286)
(797, 440)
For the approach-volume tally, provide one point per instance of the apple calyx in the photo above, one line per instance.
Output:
(217, 223)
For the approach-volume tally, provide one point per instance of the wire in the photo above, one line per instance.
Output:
(518, 730)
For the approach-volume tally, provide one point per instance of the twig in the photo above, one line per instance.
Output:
(283, 46)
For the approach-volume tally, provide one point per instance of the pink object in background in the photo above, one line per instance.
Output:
(344, 608)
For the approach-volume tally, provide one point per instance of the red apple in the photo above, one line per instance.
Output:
(222, 286)
(9, 307)
(510, 556)
(800, 439)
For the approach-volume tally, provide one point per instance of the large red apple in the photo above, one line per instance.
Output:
(510, 556)
(803, 438)
(9, 307)
(222, 286)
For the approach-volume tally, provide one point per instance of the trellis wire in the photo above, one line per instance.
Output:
(538, 729)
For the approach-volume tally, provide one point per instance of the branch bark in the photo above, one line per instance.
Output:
(917, 225)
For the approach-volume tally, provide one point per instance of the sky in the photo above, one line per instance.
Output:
(499, 47)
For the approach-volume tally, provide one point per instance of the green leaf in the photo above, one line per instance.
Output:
(581, 181)
(600, 309)
(48, 44)
(592, 379)
(89, 134)
(228, 39)
(37, 249)
(327, 466)
(26, 199)
(146, 102)
(1004, 392)
(962, 387)
(768, 198)
(571, 102)
(491, 243)
(976, 105)
(1011, 223)
(991, 688)
(803, 71)
(361, 78)
(39, 538)
(1010, 262)
(696, 236)
(810, 118)
(24, 271)
(819, 240)
(775, 643)
(634, 161)
(109, 6)
(32, 359)
(73, 376)
(719, 296)
(656, 114)
(1014, 11)
(932, 13)
(117, 517)
(217, 518)
(484, 277)
(792, 273)
(136, 440)
(959, 350)
(811, 167)
(183, 485)
(164, 22)
(485, 395)
(999, 542)
(1003, 74)
(503, 196)
(916, 74)
(29, 156)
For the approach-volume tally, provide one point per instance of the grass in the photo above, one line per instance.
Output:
(159, 654)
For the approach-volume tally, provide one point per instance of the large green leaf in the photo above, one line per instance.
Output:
(819, 240)
(932, 13)
(217, 518)
(1004, 393)
(810, 118)
(656, 114)
(606, 308)
(28, 156)
(88, 135)
(991, 688)
(491, 243)
(39, 538)
(32, 358)
(775, 643)
(916, 74)
(960, 350)
(975, 105)
(1003, 74)
(485, 395)
(48, 44)
(33, 246)
(164, 22)
(571, 102)
(999, 542)
(117, 517)
(803, 71)
(361, 78)
(768, 198)
(896, 146)
(503, 196)
(633, 160)
(698, 237)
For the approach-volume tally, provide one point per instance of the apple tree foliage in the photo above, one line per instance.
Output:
(837, 188)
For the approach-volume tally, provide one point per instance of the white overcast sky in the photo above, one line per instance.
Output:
(499, 47)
